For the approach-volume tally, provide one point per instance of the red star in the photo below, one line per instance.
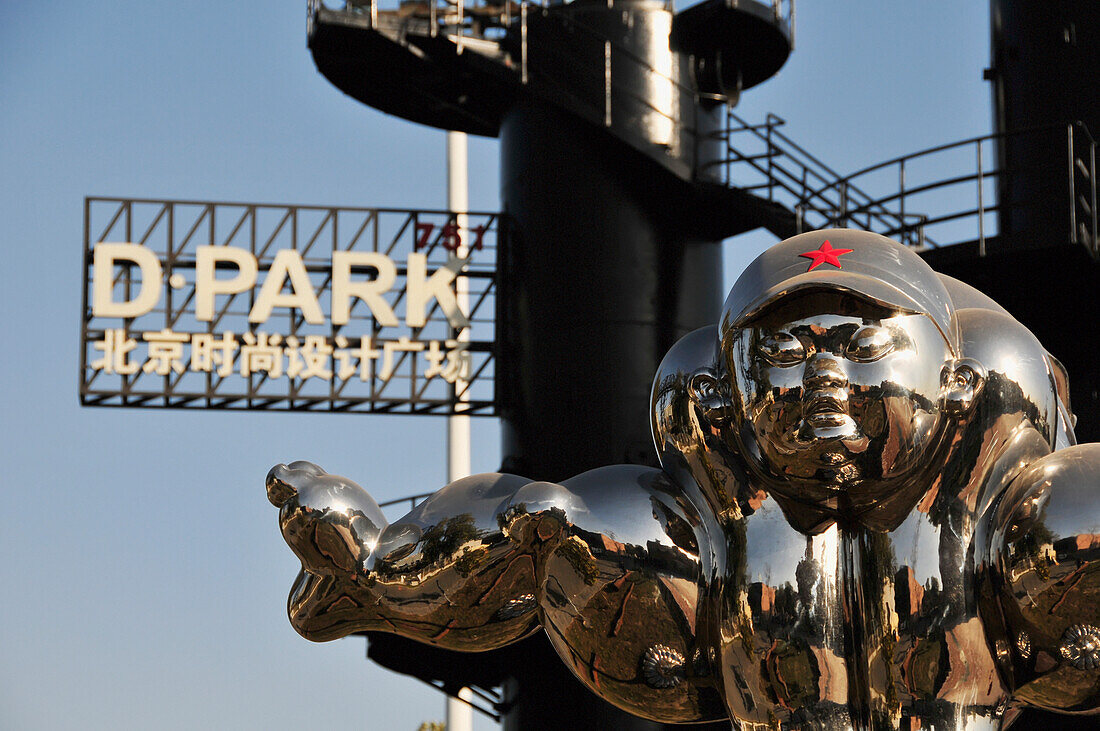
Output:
(826, 254)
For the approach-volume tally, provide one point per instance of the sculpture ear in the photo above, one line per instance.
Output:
(711, 398)
(963, 380)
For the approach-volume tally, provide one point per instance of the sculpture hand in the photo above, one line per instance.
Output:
(329, 521)
(331, 524)
(444, 574)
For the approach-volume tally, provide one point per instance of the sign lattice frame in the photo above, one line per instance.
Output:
(462, 359)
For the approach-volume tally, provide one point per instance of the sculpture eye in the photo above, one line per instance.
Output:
(781, 348)
(870, 343)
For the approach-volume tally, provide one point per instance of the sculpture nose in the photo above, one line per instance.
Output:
(824, 371)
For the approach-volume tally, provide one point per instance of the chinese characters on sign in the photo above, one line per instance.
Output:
(218, 305)
(261, 353)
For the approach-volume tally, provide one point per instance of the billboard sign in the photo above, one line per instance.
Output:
(191, 304)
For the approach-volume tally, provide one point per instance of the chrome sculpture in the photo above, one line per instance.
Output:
(872, 514)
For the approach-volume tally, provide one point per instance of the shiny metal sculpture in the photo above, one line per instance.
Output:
(872, 514)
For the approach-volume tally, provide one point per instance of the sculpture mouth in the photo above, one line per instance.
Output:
(826, 409)
(825, 416)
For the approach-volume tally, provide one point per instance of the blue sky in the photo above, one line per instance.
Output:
(144, 578)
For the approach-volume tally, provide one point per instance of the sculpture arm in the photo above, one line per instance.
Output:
(1040, 582)
(609, 561)
(458, 571)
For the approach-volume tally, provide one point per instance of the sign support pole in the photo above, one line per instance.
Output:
(459, 713)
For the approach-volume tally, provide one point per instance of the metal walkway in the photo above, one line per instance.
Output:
(933, 198)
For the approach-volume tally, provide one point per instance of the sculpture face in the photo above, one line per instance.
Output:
(850, 398)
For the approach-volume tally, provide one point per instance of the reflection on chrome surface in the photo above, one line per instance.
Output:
(871, 514)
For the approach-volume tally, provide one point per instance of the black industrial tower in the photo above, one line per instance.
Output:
(610, 115)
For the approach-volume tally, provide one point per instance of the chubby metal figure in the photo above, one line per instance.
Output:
(871, 514)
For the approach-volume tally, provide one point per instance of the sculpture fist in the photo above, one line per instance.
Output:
(330, 522)
(332, 525)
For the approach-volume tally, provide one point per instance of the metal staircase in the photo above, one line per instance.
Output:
(760, 159)
(933, 198)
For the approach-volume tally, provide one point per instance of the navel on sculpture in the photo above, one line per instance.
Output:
(871, 514)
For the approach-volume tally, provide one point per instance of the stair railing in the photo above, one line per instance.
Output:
(762, 160)
(962, 171)
(1081, 148)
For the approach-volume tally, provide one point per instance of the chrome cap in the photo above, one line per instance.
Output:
(860, 263)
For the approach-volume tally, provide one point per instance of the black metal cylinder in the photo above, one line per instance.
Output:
(594, 287)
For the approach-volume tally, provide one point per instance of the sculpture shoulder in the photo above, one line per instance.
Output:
(621, 505)
(1043, 567)
(634, 501)
(621, 595)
